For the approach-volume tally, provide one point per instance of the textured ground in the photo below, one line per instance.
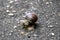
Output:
(48, 12)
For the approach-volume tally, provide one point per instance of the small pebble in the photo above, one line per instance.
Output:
(11, 1)
(34, 35)
(56, 23)
(24, 16)
(47, 2)
(58, 13)
(22, 33)
(15, 26)
(22, 9)
(19, 30)
(34, 8)
(7, 11)
(32, 39)
(13, 11)
(15, 0)
(26, 1)
(26, 33)
(11, 31)
(31, 3)
(8, 6)
(52, 33)
(2, 35)
(50, 2)
(32, 31)
(51, 26)
(2, 32)
(9, 34)
(11, 7)
(44, 0)
(10, 14)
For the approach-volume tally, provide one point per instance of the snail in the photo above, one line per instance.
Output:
(30, 19)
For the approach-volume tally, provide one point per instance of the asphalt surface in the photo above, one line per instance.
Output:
(12, 11)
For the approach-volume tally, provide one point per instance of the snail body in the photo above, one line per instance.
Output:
(29, 21)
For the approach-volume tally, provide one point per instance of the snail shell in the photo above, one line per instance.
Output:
(31, 17)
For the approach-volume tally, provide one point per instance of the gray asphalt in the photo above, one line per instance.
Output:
(48, 12)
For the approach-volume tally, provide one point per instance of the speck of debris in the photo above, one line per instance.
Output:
(51, 26)
(52, 33)
(58, 13)
(10, 14)
(15, 26)
(11, 7)
(26, 34)
(15, 0)
(10, 34)
(47, 2)
(2, 35)
(11, 31)
(13, 11)
(8, 6)
(56, 23)
(35, 35)
(7, 10)
(22, 33)
(11, 1)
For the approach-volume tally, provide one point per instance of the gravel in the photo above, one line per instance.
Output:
(12, 11)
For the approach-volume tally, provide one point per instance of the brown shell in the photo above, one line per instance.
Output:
(32, 17)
